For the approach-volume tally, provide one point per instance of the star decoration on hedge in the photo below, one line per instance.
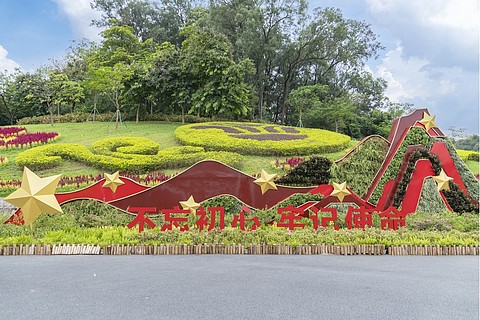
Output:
(428, 121)
(266, 181)
(442, 181)
(190, 204)
(340, 190)
(112, 181)
(35, 196)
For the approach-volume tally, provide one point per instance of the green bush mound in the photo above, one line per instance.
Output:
(260, 139)
(121, 154)
(359, 167)
(430, 200)
(311, 172)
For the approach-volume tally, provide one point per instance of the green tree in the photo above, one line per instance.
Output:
(218, 82)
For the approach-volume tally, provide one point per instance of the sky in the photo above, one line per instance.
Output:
(431, 55)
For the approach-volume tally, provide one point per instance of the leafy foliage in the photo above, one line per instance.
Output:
(415, 136)
(420, 153)
(311, 172)
(359, 166)
(430, 200)
(124, 158)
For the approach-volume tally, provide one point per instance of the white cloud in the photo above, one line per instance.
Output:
(5, 62)
(414, 77)
(80, 15)
(444, 30)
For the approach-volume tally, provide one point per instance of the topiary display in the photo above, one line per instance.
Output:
(360, 165)
(260, 139)
(430, 200)
(121, 154)
(314, 171)
(420, 153)
(414, 136)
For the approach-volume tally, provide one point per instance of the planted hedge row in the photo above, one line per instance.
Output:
(468, 155)
(115, 158)
(260, 139)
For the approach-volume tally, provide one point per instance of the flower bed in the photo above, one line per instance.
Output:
(259, 139)
(17, 137)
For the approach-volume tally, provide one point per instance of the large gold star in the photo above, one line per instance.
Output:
(190, 204)
(340, 190)
(428, 121)
(442, 181)
(112, 181)
(35, 196)
(266, 181)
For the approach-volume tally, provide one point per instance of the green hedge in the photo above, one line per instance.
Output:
(310, 141)
(49, 156)
(468, 155)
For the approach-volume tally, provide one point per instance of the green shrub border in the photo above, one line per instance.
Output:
(49, 156)
(316, 141)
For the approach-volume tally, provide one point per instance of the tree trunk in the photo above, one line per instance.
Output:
(183, 114)
(138, 114)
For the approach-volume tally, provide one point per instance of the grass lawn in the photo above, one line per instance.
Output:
(89, 132)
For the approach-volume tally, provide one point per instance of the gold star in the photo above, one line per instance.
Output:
(442, 181)
(112, 181)
(266, 181)
(428, 121)
(35, 196)
(190, 204)
(340, 190)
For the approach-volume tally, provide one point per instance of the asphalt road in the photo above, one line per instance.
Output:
(239, 287)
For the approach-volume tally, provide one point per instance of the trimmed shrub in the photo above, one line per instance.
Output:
(49, 156)
(260, 139)
(128, 145)
(311, 172)
(468, 155)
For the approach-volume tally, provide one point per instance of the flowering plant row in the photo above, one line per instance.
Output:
(124, 158)
(260, 139)
(287, 164)
(12, 137)
(7, 132)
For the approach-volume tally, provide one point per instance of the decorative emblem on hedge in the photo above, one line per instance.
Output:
(417, 153)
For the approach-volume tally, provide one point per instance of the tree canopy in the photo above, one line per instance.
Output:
(265, 60)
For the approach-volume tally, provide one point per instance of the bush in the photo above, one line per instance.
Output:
(311, 172)
(468, 155)
(49, 156)
(260, 139)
